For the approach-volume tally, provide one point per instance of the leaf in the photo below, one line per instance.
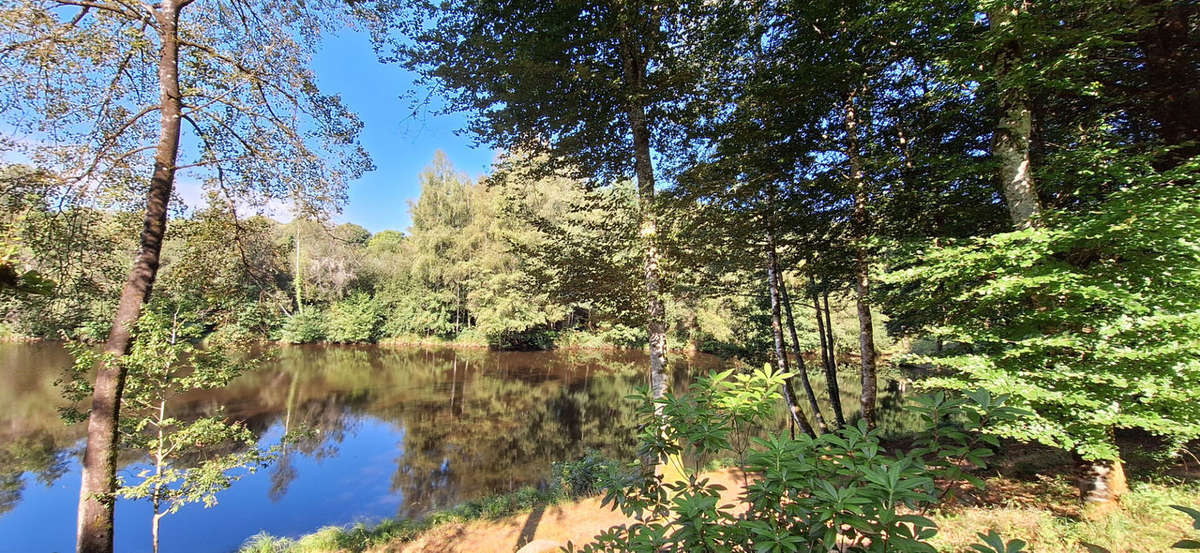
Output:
(1190, 512)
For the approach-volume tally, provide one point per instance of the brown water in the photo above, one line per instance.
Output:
(395, 432)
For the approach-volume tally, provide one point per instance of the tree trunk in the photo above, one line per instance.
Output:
(831, 382)
(97, 491)
(299, 275)
(800, 368)
(1014, 131)
(866, 340)
(154, 529)
(781, 360)
(634, 68)
(829, 332)
(1102, 484)
(693, 324)
(862, 282)
(1172, 103)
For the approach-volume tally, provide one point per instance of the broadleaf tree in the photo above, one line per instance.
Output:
(591, 84)
(106, 93)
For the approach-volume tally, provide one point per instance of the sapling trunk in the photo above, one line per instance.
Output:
(800, 368)
(827, 358)
(781, 360)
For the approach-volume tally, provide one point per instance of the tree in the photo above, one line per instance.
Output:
(191, 460)
(590, 84)
(1078, 312)
(85, 77)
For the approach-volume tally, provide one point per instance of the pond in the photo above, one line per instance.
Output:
(392, 432)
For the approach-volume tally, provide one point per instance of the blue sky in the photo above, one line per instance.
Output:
(400, 144)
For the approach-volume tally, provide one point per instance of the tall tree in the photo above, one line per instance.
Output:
(592, 84)
(84, 79)
(1014, 131)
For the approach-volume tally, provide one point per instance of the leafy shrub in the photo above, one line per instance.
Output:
(838, 491)
(353, 320)
(92, 332)
(1090, 320)
(304, 327)
(585, 476)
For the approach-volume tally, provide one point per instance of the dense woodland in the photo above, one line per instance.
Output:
(1005, 190)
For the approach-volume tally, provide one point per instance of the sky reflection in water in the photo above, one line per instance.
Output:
(395, 432)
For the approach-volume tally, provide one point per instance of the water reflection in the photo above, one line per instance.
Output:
(389, 432)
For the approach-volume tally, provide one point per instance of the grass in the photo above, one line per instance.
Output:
(571, 480)
(1048, 519)
(361, 537)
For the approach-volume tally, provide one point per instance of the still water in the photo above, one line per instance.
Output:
(394, 432)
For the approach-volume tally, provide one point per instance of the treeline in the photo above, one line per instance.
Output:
(518, 259)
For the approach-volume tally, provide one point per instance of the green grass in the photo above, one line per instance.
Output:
(361, 537)
(1146, 523)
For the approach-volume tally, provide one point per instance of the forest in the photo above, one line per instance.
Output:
(995, 202)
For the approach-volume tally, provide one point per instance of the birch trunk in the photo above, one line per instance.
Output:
(862, 282)
(634, 69)
(1014, 131)
(94, 533)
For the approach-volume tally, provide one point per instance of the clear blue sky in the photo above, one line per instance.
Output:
(401, 145)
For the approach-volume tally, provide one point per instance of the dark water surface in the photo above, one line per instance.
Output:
(396, 432)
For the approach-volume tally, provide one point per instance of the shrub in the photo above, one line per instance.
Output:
(838, 491)
(585, 476)
(353, 320)
(304, 327)
(1090, 320)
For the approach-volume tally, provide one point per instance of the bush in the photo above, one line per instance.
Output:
(305, 327)
(353, 320)
(585, 476)
(839, 491)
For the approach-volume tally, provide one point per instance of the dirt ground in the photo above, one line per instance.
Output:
(546, 528)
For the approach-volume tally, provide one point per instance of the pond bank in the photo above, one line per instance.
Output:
(1039, 506)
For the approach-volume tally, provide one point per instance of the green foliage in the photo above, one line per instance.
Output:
(1195, 516)
(993, 543)
(353, 320)
(192, 457)
(305, 327)
(583, 477)
(841, 489)
(1091, 321)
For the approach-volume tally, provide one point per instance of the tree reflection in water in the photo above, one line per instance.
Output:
(470, 422)
(383, 432)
